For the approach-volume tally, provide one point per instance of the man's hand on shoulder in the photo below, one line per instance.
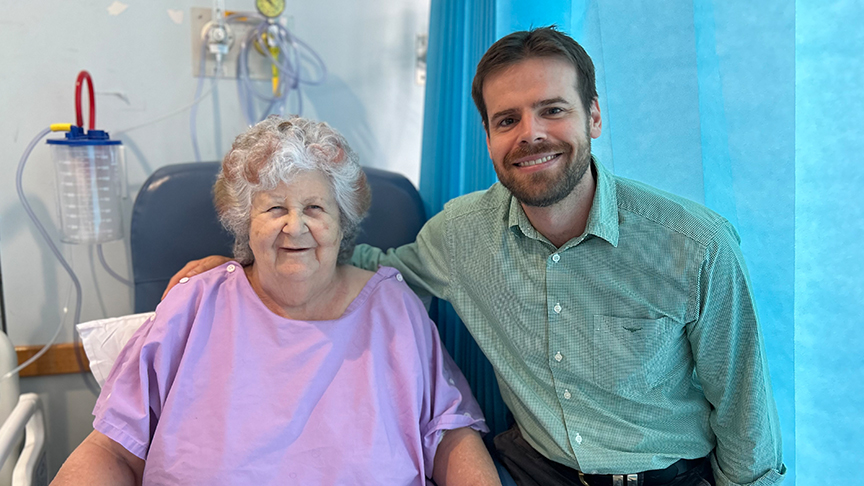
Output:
(195, 267)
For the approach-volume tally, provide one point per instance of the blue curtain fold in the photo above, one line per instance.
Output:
(455, 162)
(751, 108)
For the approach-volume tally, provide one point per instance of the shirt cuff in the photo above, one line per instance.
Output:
(773, 476)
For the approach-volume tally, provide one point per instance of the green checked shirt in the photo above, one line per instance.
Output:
(628, 348)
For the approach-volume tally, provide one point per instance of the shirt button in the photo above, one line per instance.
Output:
(184, 279)
(567, 395)
(399, 277)
(578, 439)
(557, 308)
(558, 356)
(231, 268)
(556, 257)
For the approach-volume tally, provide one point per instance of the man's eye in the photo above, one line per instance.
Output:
(554, 110)
(506, 122)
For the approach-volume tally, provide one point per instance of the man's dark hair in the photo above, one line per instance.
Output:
(528, 44)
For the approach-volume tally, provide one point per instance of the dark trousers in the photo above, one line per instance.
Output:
(530, 468)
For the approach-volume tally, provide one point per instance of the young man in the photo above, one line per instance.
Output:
(619, 319)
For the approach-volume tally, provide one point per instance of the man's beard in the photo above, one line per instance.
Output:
(545, 188)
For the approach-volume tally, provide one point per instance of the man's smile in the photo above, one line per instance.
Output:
(540, 160)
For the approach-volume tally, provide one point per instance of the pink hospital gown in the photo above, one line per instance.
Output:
(216, 389)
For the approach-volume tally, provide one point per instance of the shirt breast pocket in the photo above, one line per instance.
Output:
(632, 356)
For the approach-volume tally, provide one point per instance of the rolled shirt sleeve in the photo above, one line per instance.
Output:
(729, 352)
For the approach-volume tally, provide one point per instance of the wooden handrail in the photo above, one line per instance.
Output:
(59, 359)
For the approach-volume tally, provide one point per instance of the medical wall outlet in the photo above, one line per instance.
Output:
(225, 42)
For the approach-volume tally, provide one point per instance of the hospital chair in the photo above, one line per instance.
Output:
(173, 222)
(21, 416)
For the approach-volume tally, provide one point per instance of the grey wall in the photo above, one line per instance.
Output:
(141, 65)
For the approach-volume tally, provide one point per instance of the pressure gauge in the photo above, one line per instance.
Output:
(270, 8)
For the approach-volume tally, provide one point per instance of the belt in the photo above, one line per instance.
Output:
(647, 478)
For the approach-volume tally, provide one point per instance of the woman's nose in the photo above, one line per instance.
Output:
(294, 223)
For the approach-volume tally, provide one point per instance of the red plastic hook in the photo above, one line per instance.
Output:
(79, 117)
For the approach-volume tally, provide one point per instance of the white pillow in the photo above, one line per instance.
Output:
(104, 339)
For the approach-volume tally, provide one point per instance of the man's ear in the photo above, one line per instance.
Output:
(595, 122)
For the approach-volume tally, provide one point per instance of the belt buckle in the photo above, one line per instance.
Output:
(617, 479)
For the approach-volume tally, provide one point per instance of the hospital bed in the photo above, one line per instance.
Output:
(22, 435)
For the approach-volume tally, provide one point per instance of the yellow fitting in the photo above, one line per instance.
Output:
(61, 127)
(274, 51)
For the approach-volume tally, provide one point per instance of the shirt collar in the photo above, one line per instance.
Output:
(602, 220)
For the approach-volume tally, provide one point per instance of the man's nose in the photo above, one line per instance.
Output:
(533, 130)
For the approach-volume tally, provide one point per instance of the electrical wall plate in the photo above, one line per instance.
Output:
(259, 64)
(421, 46)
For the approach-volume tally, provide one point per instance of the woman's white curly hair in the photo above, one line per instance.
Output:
(275, 151)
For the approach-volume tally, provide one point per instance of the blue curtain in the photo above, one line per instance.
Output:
(829, 261)
(755, 109)
(454, 161)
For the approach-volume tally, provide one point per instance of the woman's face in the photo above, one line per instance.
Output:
(294, 233)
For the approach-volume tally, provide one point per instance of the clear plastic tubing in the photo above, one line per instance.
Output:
(20, 188)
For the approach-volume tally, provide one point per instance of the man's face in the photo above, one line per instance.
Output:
(538, 134)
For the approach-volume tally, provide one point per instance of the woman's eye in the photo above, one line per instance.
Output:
(315, 207)
(275, 208)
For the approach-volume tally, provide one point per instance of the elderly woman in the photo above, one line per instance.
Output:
(288, 366)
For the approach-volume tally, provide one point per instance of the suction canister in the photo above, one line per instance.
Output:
(87, 166)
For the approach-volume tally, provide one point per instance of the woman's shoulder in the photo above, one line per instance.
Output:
(387, 288)
(197, 303)
(357, 278)
(384, 277)
(190, 290)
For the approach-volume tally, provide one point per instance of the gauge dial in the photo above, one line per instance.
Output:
(270, 8)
